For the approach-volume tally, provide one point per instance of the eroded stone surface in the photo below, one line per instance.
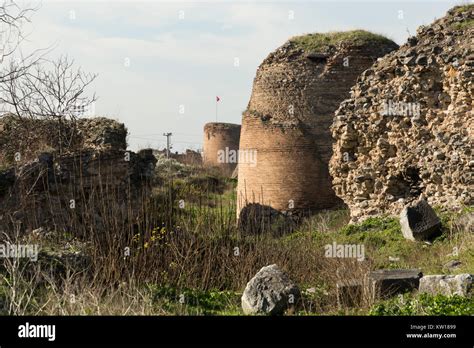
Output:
(270, 291)
(461, 284)
(408, 127)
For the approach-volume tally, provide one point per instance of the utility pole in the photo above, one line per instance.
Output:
(168, 136)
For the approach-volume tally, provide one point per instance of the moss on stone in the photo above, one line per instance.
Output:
(464, 24)
(462, 8)
(322, 41)
(221, 125)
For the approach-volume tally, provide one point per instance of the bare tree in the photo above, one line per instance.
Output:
(32, 86)
(49, 89)
(12, 19)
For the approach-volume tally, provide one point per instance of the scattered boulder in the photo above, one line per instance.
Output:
(419, 221)
(142, 166)
(461, 284)
(270, 291)
(309, 291)
(59, 262)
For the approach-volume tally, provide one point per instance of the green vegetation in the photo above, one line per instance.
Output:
(424, 304)
(463, 8)
(464, 24)
(194, 260)
(196, 302)
(320, 42)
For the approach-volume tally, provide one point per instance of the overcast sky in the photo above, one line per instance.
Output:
(162, 63)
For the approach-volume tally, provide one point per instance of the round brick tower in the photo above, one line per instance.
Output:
(221, 146)
(287, 123)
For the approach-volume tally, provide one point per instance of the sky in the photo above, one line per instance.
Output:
(161, 64)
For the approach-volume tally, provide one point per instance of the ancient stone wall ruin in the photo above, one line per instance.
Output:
(221, 145)
(287, 123)
(189, 157)
(55, 189)
(22, 139)
(408, 126)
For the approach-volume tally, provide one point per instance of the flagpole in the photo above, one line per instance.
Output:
(216, 109)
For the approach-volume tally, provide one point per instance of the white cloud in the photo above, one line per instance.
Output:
(188, 61)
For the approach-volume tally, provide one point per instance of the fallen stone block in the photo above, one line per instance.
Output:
(419, 221)
(378, 284)
(460, 284)
(389, 282)
(270, 291)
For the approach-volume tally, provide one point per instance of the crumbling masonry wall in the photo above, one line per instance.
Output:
(408, 126)
(57, 190)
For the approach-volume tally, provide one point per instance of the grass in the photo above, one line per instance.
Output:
(384, 244)
(424, 304)
(192, 293)
(463, 8)
(321, 41)
(464, 24)
(196, 302)
(195, 261)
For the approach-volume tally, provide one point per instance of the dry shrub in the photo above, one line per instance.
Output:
(133, 238)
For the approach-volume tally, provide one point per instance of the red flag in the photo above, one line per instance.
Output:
(217, 99)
